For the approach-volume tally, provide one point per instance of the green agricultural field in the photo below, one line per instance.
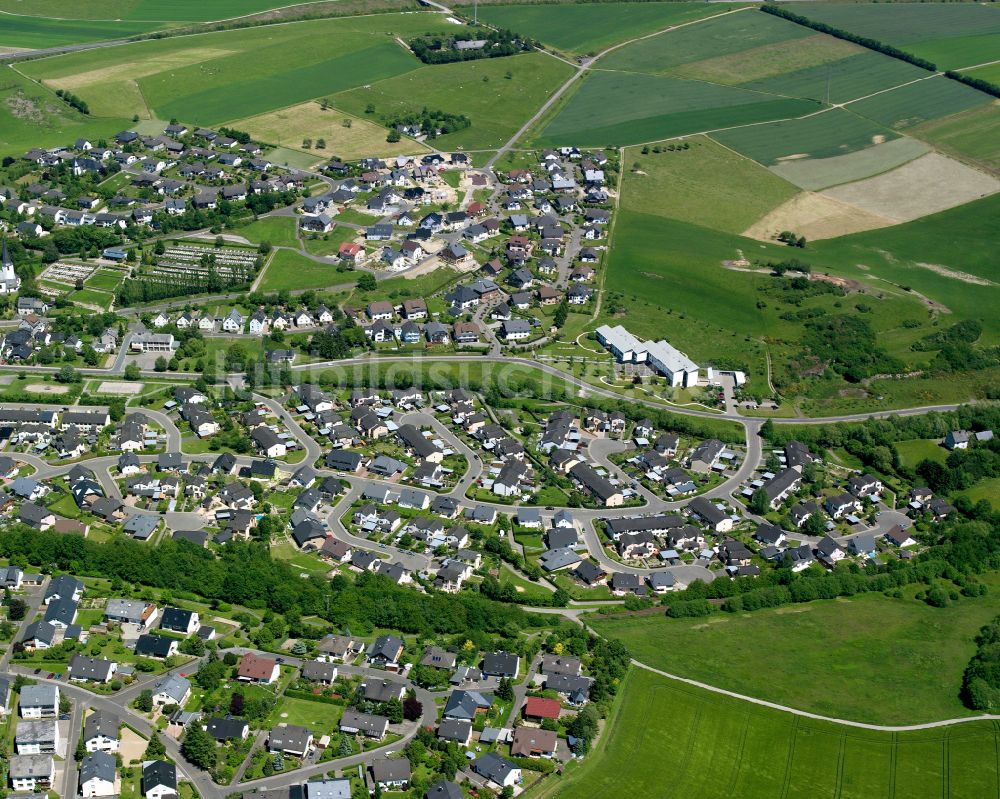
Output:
(960, 51)
(278, 230)
(881, 660)
(905, 24)
(919, 102)
(969, 136)
(230, 75)
(711, 746)
(814, 174)
(839, 81)
(145, 10)
(624, 108)
(720, 36)
(706, 184)
(496, 105)
(918, 449)
(768, 60)
(990, 73)
(32, 116)
(830, 133)
(37, 32)
(589, 27)
(290, 270)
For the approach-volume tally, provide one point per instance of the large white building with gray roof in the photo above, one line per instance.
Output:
(660, 355)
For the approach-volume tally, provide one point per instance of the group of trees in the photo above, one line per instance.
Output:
(245, 573)
(73, 101)
(847, 344)
(981, 680)
(433, 48)
(962, 469)
(430, 122)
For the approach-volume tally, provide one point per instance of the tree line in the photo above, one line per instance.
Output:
(437, 49)
(879, 47)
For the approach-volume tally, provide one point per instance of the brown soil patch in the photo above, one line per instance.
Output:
(45, 388)
(925, 186)
(816, 216)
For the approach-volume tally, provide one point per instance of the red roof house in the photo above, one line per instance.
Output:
(537, 708)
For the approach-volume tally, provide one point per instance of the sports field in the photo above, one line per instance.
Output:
(627, 108)
(496, 104)
(859, 650)
(346, 136)
(693, 743)
(706, 184)
(231, 75)
(589, 27)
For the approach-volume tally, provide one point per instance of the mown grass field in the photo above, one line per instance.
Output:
(624, 108)
(590, 27)
(720, 36)
(346, 136)
(919, 102)
(670, 739)
(706, 184)
(231, 75)
(289, 270)
(496, 104)
(869, 658)
(985, 489)
(917, 449)
(279, 231)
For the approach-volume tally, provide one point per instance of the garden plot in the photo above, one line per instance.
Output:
(925, 186)
(63, 272)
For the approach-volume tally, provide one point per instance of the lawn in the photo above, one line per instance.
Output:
(278, 230)
(869, 658)
(627, 108)
(329, 243)
(88, 296)
(915, 450)
(290, 270)
(347, 137)
(985, 489)
(706, 184)
(320, 717)
(711, 746)
(105, 280)
(496, 105)
(589, 27)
